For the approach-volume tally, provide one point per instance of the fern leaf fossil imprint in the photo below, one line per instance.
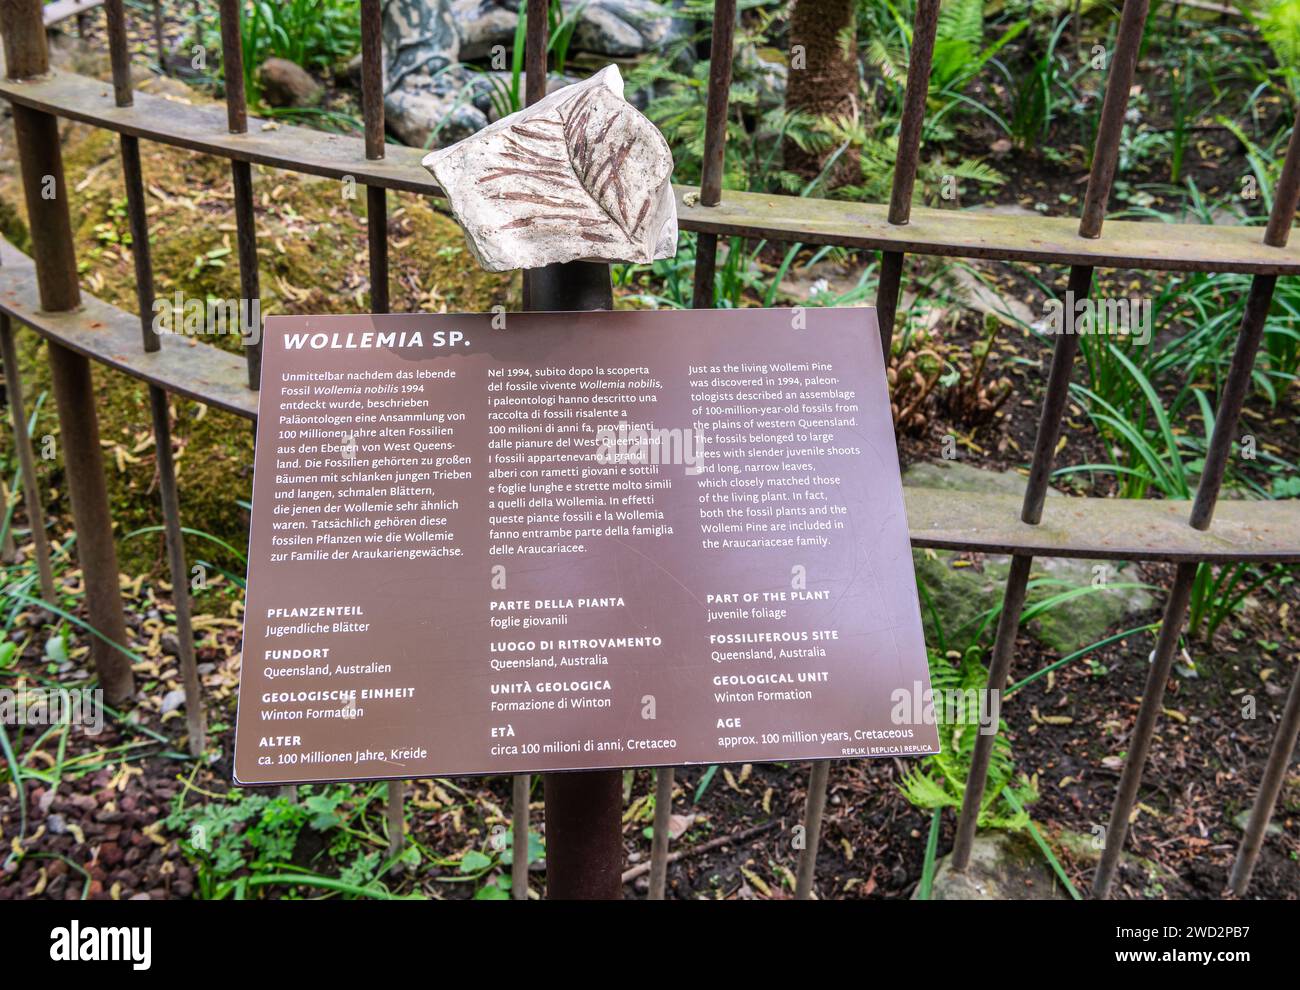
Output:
(578, 175)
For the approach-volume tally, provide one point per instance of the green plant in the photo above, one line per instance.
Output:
(315, 34)
(960, 54)
(1279, 23)
(244, 840)
(939, 781)
(1218, 592)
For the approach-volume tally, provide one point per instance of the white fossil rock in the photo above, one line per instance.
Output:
(579, 175)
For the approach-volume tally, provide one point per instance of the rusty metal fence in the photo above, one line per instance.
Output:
(42, 292)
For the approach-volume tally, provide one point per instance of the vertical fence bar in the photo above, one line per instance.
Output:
(160, 44)
(721, 55)
(535, 61)
(906, 159)
(372, 103)
(195, 717)
(1231, 401)
(1270, 786)
(372, 109)
(395, 813)
(26, 461)
(1100, 177)
(41, 160)
(812, 829)
(241, 174)
(160, 409)
(664, 779)
(584, 808)
(521, 788)
(133, 179)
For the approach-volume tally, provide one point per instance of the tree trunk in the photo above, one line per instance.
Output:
(823, 79)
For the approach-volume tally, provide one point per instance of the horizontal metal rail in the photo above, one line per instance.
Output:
(111, 336)
(1091, 528)
(946, 233)
(61, 10)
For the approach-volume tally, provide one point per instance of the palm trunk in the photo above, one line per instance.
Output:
(823, 79)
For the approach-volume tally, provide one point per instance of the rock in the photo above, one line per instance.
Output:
(425, 97)
(962, 594)
(170, 644)
(1002, 867)
(420, 38)
(962, 477)
(1242, 819)
(429, 111)
(581, 174)
(172, 700)
(484, 24)
(767, 71)
(56, 824)
(618, 28)
(287, 84)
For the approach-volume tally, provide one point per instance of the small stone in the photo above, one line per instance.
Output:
(287, 84)
(170, 644)
(173, 700)
(1002, 868)
(1242, 819)
(56, 825)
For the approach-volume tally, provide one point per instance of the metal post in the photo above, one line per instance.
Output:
(160, 44)
(26, 462)
(160, 409)
(241, 174)
(908, 155)
(41, 160)
(1279, 758)
(721, 54)
(659, 843)
(521, 789)
(812, 829)
(584, 808)
(1105, 155)
(372, 100)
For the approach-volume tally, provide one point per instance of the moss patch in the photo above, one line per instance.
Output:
(962, 593)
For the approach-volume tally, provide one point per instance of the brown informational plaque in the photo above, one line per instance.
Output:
(501, 543)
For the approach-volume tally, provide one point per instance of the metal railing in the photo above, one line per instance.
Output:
(43, 292)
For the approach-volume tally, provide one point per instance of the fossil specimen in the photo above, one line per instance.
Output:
(580, 174)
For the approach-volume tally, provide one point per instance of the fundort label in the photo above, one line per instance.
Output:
(487, 545)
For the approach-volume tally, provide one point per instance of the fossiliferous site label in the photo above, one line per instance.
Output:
(493, 544)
